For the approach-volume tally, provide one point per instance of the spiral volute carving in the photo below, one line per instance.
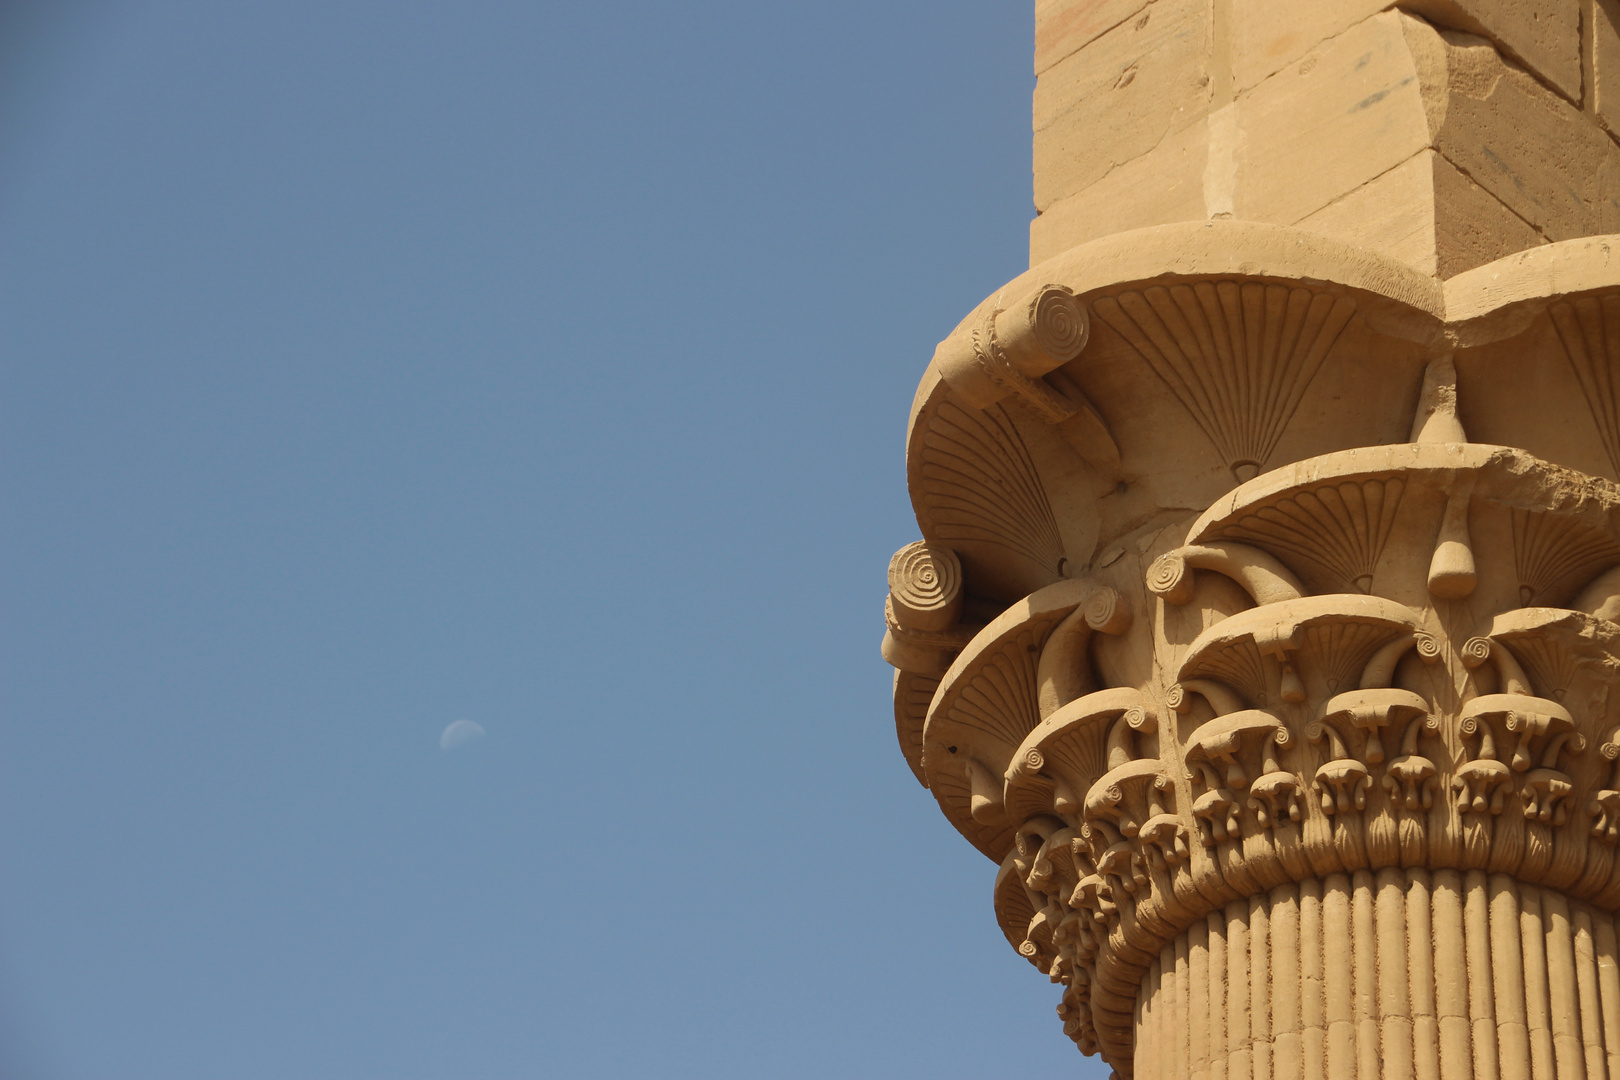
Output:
(1044, 331)
(1171, 578)
(1427, 645)
(925, 583)
(1105, 611)
(1059, 322)
(1475, 651)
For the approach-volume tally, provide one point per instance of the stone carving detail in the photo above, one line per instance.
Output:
(1605, 806)
(1322, 738)
(1336, 531)
(912, 694)
(923, 610)
(1588, 328)
(1452, 574)
(1344, 779)
(1481, 782)
(1239, 356)
(1409, 777)
(981, 486)
(1555, 558)
(1263, 577)
(1026, 671)
(1482, 950)
(1010, 349)
(925, 587)
(924, 634)
(1545, 730)
(1216, 759)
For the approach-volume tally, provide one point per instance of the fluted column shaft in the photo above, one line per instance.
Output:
(1446, 974)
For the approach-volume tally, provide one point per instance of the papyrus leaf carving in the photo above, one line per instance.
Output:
(980, 485)
(1238, 356)
(1589, 330)
(1554, 556)
(1335, 533)
(912, 693)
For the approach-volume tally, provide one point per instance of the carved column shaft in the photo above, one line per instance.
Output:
(1402, 973)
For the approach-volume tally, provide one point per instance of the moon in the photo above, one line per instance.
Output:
(459, 733)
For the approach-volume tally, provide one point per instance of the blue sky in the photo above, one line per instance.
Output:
(368, 367)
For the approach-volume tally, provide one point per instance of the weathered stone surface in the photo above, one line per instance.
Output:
(1281, 586)
(1268, 35)
(1535, 152)
(1166, 184)
(1426, 213)
(1063, 26)
(1393, 212)
(1471, 227)
(1606, 63)
(1265, 625)
(1299, 137)
(1348, 113)
(1119, 96)
(1542, 36)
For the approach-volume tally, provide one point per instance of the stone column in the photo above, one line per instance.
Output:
(1444, 132)
(1267, 611)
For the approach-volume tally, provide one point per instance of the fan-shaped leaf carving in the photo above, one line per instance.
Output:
(1239, 356)
(1333, 637)
(1333, 534)
(1012, 904)
(1338, 651)
(1000, 701)
(1589, 330)
(979, 484)
(912, 693)
(1555, 556)
(1237, 663)
(1549, 662)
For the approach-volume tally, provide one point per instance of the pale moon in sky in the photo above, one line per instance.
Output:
(460, 733)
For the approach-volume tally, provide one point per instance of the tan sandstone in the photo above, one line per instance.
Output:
(1264, 628)
(1272, 111)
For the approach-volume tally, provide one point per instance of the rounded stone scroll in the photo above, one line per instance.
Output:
(1045, 330)
(1105, 611)
(1171, 578)
(1475, 651)
(1428, 648)
(925, 585)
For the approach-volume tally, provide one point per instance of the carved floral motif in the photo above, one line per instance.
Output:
(1349, 667)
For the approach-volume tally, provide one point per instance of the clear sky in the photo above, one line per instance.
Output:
(370, 367)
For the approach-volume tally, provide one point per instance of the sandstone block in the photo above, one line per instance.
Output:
(1533, 151)
(1166, 184)
(1063, 26)
(1471, 227)
(1606, 62)
(1393, 213)
(1312, 134)
(1119, 96)
(1426, 213)
(1543, 36)
(1268, 35)
(1335, 142)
